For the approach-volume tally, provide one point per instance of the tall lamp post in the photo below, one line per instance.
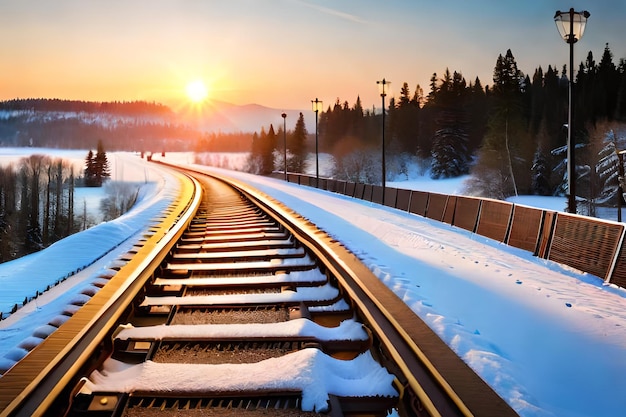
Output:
(284, 116)
(620, 183)
(317, 106)
(571, 26)
(383, 93)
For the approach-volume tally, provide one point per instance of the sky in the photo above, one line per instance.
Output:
(278, 53)
(549, 339)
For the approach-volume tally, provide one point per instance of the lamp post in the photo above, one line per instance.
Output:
(317, 106)
(284, 116)
(620, 183)
(383, 93)
(571, 26)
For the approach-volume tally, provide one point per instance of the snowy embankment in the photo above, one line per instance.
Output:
(76, 266)
(550, 340)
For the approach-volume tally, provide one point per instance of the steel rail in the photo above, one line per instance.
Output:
(422, 371)
(423, 377)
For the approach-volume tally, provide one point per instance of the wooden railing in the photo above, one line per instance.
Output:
(587, 244)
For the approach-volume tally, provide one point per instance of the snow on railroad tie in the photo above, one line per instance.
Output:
(309, 371)
(287, 242)
(202, 238)
(303, 262)
(347, 330)
(280, 252)
(304, 294)
(312, 276)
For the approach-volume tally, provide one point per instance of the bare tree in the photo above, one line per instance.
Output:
(33, 167)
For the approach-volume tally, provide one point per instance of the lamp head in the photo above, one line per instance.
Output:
(381, 87)
(571, 24)
(317, 105)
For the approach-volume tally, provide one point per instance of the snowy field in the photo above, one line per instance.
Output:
(550, 340)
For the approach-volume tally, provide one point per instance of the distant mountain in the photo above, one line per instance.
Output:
(215, 116)
(220, 116)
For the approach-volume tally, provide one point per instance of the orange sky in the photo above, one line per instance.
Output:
(278, 53)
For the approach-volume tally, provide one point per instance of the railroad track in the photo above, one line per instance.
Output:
(252, 311)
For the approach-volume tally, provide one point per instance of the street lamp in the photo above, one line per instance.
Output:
(620, 183)
(317, 106)
(381, 88)
(571, 26)
(284, 116)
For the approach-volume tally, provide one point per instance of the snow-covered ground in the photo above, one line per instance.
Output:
(76, 265)
(550, 340)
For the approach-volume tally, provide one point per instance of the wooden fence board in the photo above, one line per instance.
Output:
(436, 206)
(377, 194)
(390, 196)
(466, 212)
(403, 198)
(419, 202)
(494, 219)
(525, 228)
(340, 187)
(448, 213)
(367, 192)
(585, 243)
(546, 233)
(359, 190)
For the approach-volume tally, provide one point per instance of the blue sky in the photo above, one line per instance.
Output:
(279, 53)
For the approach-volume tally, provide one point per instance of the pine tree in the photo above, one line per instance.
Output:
(267, 152)
(506, 147)
(477, 104)
(554, 108)
(540, 174)
(537, 101)
(612, 140)
(433, 87)
(96, 167)
(254, 158)
(620, 111)
(608, 79)
(404, 121)
(297, 147)
(101, 165)
(585, 94)
(261, 158)
(89, 171)
(450, 155)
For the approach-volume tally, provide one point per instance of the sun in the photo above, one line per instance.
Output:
(197, 91)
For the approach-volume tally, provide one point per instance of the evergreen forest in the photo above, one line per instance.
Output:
(510, 135)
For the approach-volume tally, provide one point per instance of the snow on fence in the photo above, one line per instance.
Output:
(591, 245)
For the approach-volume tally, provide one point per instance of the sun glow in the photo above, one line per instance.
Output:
(197, 91)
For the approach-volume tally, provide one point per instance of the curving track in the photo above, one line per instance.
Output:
(246, 310)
